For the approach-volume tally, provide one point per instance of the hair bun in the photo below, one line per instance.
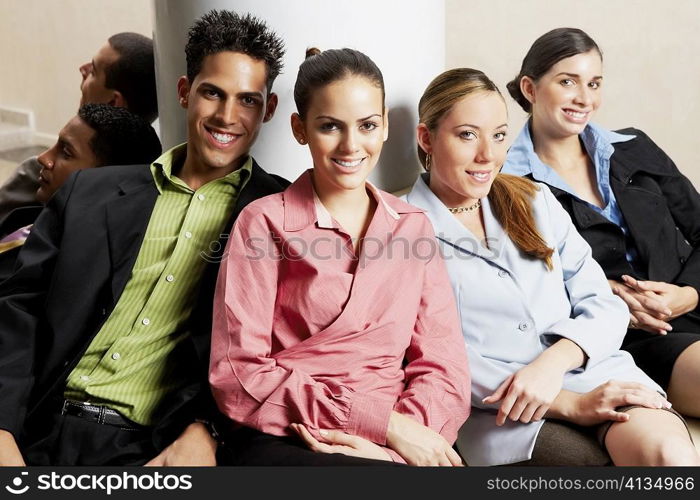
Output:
(312, 51)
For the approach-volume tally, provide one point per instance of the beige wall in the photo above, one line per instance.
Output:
(651, 59)
(43, 42)
(652, 73)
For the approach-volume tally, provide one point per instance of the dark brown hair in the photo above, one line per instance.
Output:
(510, 197)
(548, 50)
(321, 68)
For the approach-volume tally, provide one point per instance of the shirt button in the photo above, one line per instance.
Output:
(170, 278)
(523, 326)
(188, 234)
(200, 197)
(116, 356)
(84, 377)
(502, 273)
(146, 321)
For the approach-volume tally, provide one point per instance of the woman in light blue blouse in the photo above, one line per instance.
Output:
(627, 199)
(549, 383)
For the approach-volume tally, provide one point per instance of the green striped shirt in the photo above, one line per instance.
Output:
(138, 356)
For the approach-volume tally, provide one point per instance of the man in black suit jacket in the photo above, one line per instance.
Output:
(78, 276)
(97, 136)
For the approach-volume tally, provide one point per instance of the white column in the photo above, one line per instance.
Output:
(405, 38)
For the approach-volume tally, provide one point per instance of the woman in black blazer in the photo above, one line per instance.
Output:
(626, 197)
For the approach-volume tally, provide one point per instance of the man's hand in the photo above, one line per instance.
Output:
(418, 444)
(10, 456)
(335, 441)
(194, 447)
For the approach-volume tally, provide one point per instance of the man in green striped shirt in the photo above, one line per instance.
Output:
(105, 323)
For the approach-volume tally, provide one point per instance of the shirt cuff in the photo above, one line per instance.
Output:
(369, 418)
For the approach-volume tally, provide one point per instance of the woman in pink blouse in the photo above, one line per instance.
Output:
(336, 338)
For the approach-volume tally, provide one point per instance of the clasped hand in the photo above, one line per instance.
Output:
(413, 441)
(653, 304)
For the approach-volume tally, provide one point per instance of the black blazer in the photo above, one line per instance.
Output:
(69, 276)
(18, 218)
(662, 211)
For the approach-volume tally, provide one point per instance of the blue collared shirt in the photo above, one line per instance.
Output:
(599, 143)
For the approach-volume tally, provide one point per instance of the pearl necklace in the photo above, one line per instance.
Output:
(459, 210)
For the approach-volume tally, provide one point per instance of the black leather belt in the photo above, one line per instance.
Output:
(97, 414)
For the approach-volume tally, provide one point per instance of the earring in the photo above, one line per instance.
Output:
(428, 162)
(302, 141)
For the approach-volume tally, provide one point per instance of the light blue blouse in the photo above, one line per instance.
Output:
(512, 308)
(599, 143)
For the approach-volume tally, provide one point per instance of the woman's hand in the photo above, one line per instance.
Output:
(339, 442)
(653, 304)
(677, 300)
(527, 395)
(418, 444)
(647, 312)
(600, 404)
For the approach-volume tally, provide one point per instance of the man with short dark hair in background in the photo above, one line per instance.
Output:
(105, 325)
(121, 74)
(98, 135)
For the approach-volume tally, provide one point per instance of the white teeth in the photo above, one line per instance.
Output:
(482, 176)
(223, 138)
(348, 164)
(575, 114)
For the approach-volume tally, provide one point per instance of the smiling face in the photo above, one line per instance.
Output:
(92, 87)
(467, 148)
(71, 152)
(565, 98)
(345, 127)
(226, 104)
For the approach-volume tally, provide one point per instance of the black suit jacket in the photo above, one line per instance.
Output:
(662, 211)
(69, 277)
(16, 219)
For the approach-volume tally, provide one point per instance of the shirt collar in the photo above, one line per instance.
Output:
(302, 210)
(522, 159)
(449, 229)
(172, 160)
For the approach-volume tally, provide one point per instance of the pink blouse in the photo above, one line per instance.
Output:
(305, 331)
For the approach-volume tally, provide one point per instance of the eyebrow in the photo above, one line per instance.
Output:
(574, 75)
(211, 86)
(65, 142)
(250, 94)
(477, 127)
(328, 117)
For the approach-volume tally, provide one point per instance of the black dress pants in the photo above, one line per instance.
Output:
(69, 440)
